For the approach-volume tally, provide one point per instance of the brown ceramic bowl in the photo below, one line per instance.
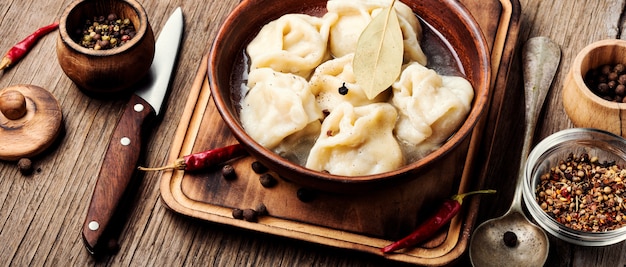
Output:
(448, 17)
(101, 72)
(584, 107)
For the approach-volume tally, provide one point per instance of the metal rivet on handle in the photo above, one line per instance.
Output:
(125, 141)
(138, 107)
(93, 225)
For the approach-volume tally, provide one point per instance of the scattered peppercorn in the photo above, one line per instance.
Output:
(261, 210)
(343, 90)
(25, 166)
(258, 167)
(250, 215)
(305, 195)
(228, 172)
(584, 194)
(267, 180)
(510, 239)
(608, 81)
(108, 32)
(238, 213)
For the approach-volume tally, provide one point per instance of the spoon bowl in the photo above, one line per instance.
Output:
(529, 248)
(512, 240)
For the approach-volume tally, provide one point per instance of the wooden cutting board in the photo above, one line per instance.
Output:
(364, 222)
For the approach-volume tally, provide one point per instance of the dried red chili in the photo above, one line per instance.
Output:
(444, 215)
(19, 50)
(203, 160)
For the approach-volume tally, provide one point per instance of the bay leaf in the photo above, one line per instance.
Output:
(377, 60)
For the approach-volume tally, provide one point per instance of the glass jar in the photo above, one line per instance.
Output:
(557, 147)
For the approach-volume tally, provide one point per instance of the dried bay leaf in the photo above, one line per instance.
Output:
(378, 58)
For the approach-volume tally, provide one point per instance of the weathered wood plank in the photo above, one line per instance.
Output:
(41, 215)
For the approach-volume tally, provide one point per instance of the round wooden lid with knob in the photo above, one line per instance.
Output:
(30, 121)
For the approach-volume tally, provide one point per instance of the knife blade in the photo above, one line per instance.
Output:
(123, 151)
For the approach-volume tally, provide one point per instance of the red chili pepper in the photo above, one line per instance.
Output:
(19, 50)
(203, 160)
(444, 215)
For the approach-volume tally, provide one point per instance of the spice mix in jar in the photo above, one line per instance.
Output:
(584, 194)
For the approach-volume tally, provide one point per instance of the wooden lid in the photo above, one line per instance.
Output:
(30, 121)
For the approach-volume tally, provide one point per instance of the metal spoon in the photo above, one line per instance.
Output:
(512, 240)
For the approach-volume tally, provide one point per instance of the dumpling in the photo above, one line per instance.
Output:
(334, 74)
(431, 107)
(276, 106)
(357, 141)
(294, 43)
(353, 17)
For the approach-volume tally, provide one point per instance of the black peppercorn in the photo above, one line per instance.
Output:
(510, 239)
(250, 215)
(261, 210)
(228, 172)
(238, 213)
(267, 180)
(603, 88)
(305, 195)
(25, 166)
(343, 90)
(619, 68)
(258, 167)
(622, 79)
(620, 90)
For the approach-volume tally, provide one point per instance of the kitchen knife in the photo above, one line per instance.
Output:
(124, 148)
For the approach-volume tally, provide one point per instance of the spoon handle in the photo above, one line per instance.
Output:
(540, 58)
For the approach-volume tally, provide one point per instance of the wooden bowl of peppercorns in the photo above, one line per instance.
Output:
(594, 92)
(105, 46)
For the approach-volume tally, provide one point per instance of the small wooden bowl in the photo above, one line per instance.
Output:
(583, 106)
(105, 71)
(447, 17)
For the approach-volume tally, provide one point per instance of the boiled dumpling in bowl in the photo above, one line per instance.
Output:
(357, 141)
(276, 106)
(431, 107)
(303, 101)
(294, 43)
(334, 74)
(353, 16)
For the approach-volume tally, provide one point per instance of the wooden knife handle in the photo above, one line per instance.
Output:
(116, 171)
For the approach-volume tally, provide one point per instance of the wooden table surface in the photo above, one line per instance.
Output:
(41, 215)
